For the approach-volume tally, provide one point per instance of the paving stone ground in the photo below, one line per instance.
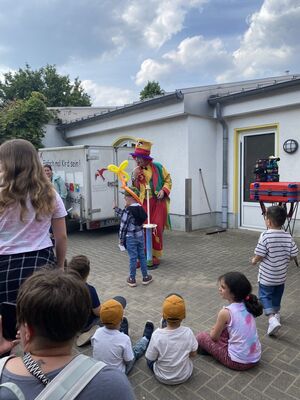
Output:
(191, 265)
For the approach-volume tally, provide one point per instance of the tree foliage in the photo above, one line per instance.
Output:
(24, 119)
(57, 89)
(152, 89)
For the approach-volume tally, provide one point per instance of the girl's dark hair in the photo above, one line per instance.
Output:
(241, 289)
(79, 264)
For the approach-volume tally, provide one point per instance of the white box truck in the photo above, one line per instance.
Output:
(91, 187)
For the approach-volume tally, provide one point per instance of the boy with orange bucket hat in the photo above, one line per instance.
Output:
(171, 348)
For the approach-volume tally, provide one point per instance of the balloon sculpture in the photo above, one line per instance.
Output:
(124, 177)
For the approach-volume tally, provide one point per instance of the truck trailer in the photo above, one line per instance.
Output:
(91, 187)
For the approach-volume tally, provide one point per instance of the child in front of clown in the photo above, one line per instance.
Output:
(131, 236)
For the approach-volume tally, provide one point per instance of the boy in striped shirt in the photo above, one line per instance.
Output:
(274, 250)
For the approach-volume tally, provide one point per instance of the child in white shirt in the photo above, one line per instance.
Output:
(171, 348)
(114, 347)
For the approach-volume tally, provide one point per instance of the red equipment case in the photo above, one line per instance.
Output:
(273, 192)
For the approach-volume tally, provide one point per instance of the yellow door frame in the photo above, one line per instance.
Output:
(236, 140)
(120, 139)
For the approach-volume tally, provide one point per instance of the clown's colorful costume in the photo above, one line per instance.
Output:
(155, 175)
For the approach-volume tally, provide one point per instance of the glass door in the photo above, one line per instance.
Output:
(253, 147)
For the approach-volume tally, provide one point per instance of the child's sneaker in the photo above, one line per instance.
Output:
(131, 282)
(121, 300)
(277, 316)
(85, 337)
(124, 326)
(148, 330)
(147, 279)
(274, 326)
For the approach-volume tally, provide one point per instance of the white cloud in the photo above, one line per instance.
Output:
(193, 55)
(158, 20)
(151, 70)
(197, 52)
(3, 70)
(270, 46)
(118, 45)
(108, 95)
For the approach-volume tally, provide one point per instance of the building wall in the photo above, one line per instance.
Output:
(202, 152)
(185, 141)
(53, 138)
(126, 120)
(170, 147)
(267, 102)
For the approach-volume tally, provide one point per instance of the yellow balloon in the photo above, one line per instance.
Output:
(120, 171)
(113, 168)
(123, 165)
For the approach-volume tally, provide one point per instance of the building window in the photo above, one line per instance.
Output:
(124, 142)
(127, 143)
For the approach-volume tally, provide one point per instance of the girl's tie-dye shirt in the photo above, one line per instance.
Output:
(243, 344)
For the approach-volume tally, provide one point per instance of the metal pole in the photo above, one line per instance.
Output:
(148, 228)
(225, 166)
(188, 205)
(205, 192)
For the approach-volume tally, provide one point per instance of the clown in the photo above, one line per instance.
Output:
(158, 178)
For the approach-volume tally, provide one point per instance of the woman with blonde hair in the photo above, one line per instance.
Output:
(29, 205)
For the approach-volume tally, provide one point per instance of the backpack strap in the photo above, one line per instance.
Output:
(72, 379)
(9, 385)
(14, 389)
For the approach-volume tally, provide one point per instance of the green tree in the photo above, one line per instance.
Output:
(152, 89)
(24, 119)
(57, 89)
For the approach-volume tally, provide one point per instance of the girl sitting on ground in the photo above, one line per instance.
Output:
(233, 340)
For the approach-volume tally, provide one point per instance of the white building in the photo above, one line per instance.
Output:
(208, 138)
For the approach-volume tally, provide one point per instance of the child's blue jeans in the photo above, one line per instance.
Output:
(136, 250)
(139, 349)
(270, 297)
(150, 364)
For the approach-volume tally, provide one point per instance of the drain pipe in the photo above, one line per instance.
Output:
(225, 166)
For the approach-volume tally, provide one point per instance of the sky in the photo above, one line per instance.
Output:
(116, 46)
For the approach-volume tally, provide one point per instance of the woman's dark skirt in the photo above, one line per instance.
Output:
(15, 268)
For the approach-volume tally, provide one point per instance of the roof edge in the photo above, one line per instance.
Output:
(214, 99)
(174, 97)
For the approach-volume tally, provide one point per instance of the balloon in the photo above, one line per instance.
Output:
(113, 168)
(132, 194)
(124, 177)
(123, 165)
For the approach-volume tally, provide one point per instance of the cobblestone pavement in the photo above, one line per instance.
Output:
(191, 265)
